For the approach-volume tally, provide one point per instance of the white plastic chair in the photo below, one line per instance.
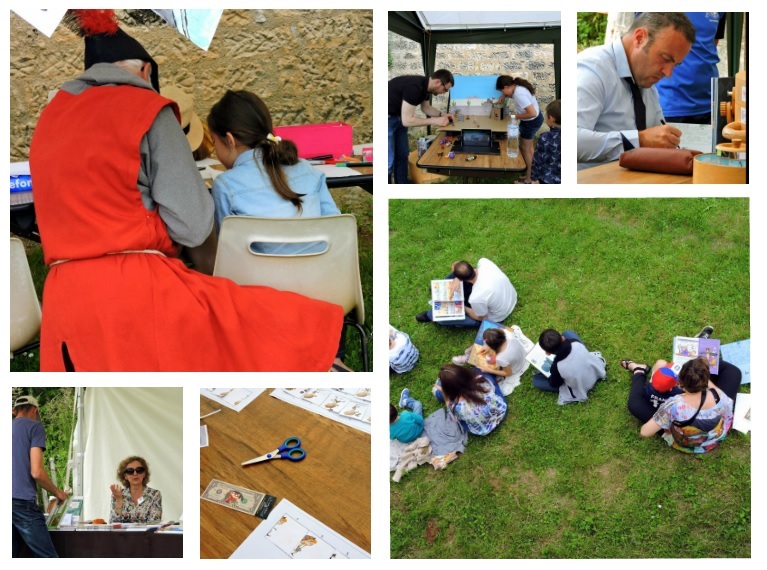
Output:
(25, 307)
(330, 275)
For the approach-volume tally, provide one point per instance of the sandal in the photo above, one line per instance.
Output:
(625, 363)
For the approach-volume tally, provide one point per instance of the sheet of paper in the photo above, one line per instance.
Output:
(290, 533)
(739, 354)
(203, 436)
(333, 171)
(741, 419)
(233, 398)
(349, 406)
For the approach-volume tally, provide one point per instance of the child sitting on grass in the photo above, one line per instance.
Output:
(548, 150)
(407, 426)
(402, 353)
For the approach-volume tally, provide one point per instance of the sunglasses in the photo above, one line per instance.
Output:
(131, 471)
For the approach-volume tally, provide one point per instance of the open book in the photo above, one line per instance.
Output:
(446, 307)
(687, 348)
(542, 361)
(480, 352)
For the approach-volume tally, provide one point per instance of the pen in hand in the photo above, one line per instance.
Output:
(662, 122)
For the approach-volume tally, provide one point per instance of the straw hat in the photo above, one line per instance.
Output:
(190, 122)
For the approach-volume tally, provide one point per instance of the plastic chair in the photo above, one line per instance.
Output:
(25, 307)
(331, 275)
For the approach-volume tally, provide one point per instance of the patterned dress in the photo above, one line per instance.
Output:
(484, 418)
(148, 509)
(704, 434)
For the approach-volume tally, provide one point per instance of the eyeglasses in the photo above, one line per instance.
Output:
(137, 471)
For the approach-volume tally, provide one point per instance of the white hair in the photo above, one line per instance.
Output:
(131, 65)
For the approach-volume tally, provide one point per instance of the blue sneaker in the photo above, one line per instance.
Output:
(404, 398)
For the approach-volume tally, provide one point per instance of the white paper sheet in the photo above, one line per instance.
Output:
(290, 533)
(233, 398)
(742, 409)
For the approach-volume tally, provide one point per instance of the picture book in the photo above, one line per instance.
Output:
(480, 352)
(542, 361)
(687, 348)
(446, 306)
(482, 355)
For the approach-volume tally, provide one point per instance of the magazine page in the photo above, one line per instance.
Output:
(542, 361)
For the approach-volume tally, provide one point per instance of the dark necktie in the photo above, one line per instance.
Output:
(640, 113)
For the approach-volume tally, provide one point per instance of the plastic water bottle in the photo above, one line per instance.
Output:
(512, 138)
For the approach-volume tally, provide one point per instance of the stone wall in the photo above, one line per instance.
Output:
(533, 62)
(309, 66)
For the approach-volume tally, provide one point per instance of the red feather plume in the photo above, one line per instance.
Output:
(92, 22)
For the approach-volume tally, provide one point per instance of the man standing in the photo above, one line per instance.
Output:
(488, 292)
(686, 97)
(405, 94)
(28, 471)
(618, 106)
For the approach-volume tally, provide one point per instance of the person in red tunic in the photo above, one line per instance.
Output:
(117, 194)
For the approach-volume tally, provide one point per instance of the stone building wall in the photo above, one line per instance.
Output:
(309, 66)
(533, 62)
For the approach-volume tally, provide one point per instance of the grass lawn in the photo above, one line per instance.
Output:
(349, 200)
(576, 481)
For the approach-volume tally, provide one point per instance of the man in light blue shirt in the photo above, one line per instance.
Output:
(607, 121)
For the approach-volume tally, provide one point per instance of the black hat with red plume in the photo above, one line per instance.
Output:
(105, 42)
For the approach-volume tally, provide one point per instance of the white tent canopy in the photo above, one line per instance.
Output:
(119, 422)
(487, 20)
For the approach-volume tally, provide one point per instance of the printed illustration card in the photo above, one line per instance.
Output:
(233, 398)
(290, 533)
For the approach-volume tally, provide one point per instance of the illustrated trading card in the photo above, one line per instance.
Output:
(234, 497)
(298, 542)
(354, 410)
(334, 403)
(361, 393)
(310, 395)
(232, 396)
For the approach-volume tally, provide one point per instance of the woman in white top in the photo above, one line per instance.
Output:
(527, 112)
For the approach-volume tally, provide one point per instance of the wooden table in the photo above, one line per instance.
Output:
(332, 484)
(612, 173)
(484, 165)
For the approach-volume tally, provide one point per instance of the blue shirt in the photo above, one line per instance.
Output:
(27, 433)
(245, 190)
(605, 106)
(406, 428)
(688, 90)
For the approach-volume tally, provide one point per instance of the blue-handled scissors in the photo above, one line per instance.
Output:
(291, 450)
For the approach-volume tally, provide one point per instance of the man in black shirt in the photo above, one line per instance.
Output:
(405, 94)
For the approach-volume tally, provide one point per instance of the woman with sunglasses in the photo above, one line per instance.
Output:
(135, 502)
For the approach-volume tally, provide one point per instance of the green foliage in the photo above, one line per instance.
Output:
(591, 29)
(576, 481)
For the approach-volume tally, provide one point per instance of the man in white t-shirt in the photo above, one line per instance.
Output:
(488, 292)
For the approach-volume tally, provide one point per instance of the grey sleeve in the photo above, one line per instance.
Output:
(169, 181)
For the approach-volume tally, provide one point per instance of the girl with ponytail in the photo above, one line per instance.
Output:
(264, 176)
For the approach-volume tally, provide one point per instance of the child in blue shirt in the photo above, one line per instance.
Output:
(407, 426)
(547, 161)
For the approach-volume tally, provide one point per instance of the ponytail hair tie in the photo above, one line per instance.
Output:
(271, 138)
